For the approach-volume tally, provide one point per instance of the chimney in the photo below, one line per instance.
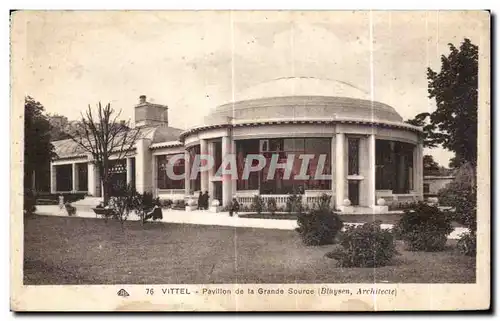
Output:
(150, 114)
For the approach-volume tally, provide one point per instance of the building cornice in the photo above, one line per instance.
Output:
(253, 123)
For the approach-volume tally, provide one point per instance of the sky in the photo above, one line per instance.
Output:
(194, 61)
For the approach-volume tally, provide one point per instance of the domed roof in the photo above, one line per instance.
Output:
(302, 98)
(302, 86)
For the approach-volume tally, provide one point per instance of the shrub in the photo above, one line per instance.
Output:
(366, 245)
(402, 206)
(272, 207)
(124, 201)
(323, 203)
(425, 228)
(294, 204)
(461, 194)
(179, 204)
(166, 203)
(467, 244)
(143, 204)
(257, 204)
(318, 227)
(29, 202)
(70, 209)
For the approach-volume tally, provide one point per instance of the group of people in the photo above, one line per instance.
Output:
(203, 200)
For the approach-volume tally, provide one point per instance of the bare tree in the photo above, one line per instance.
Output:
(103, 136)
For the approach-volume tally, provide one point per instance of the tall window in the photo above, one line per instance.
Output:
(394, 166)
(353, 156)
(195, 184)
(244, 148)
(279, 184)
(82, 177)
(165, 182)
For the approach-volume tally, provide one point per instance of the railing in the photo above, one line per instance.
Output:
(281, 199)
(173, 194)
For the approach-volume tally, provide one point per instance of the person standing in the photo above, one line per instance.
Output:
(206, 199)
(200, 201)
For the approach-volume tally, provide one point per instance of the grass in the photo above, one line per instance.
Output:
(64, 250)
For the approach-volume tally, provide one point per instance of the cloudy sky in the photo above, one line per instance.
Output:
(193, 61)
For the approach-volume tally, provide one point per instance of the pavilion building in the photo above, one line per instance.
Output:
(371, 153)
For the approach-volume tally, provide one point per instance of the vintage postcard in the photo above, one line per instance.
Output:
(250, 160)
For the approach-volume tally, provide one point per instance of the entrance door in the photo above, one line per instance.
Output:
(218, 192)
(353, 190)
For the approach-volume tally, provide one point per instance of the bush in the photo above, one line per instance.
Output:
(366, 245)
(166, 203)
(29, 202)
(402, 206)
(461, 194)
(123, 202)
(144, 203)
(319, 227)
(294, 204)
(257, 204)
(70, 209)
(49, 198)
(425, 228)
(272, 207)
(467, 244)
(323, 203)
(179, 204)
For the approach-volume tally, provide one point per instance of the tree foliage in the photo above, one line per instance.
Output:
(102, 135)
(453, 125)
(430, 165)
(38, 150)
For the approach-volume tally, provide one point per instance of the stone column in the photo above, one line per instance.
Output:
(371, 196)
(203, 174)
(418, 170)
(333, 162)
(91, 179)
(340, 179)
(234, 180)
(129, 170)
(227, 189)
(143, 172)
(211, 172)
(154, 176)
(53, 179)
(187, 172)
(74, 177)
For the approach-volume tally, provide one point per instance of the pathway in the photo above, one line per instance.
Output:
(209, 218)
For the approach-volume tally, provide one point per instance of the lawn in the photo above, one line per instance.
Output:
(63, 250)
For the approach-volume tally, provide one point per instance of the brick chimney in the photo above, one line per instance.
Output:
(149, 114)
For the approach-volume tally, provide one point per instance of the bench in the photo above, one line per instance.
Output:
(106, 212)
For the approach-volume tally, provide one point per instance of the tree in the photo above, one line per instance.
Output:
(38, 151)
(61, 127)
(103, 136)
(453, 125)
(430, 165)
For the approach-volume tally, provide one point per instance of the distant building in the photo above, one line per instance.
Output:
(434, 183)
(371, 153)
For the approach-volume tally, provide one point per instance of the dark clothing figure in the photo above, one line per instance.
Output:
(234, 208)
(206, 198)
(155, 214)
(200, 201)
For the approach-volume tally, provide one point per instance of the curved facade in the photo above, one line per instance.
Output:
(362, 150)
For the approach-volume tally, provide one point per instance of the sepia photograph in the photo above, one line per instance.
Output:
(250, 160)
